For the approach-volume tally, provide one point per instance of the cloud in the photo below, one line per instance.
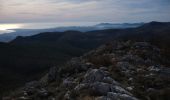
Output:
(73, 1)
(84, 10)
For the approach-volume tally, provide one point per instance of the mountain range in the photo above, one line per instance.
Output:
(29, 57)
(28, 32)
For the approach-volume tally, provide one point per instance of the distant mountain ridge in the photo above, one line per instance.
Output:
(119, 25)
(28, 32)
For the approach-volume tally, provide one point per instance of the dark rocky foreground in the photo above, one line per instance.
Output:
(115, 71)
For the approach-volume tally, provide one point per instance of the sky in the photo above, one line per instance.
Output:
(28, 11)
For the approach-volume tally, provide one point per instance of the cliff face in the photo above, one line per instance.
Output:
(115, 71)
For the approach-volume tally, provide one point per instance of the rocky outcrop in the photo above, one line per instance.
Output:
(116, 71)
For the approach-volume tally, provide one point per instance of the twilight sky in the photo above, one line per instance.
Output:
(23, 11)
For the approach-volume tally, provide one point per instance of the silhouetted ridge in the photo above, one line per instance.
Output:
(155, 24)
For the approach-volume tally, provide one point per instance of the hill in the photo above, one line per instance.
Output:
(27, 58)
(31, 56)
(119, 70)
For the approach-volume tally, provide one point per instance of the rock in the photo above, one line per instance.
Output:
(118, 89)
(31, 87)
(77, 65)
(69, 82)
(52, 74)
(82, 86)
(110, 81)
(120, 46)
(113, 96)
(33, 84)
(133, 58)
(127, 97)
(130, 79)
(124, 66)
(150, 90)
(165, 71)
(23, 98)
(158, 94)
(97, 88)
(101, 88)
(154, 69)
(52, 98)
(139, 70)
(67, 95)
(44, 80)
(84, 67)
(142, 45)
(102, 98)
(25, 93)
(43, 93)
(89, 64)
(130, 88)
(94, 75)
(29, 91)
(118, 96)
(104, 68)
(6, 98)
(149, 62)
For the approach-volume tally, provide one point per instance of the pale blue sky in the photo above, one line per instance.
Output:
(19, 11)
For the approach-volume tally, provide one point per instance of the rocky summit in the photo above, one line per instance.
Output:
(115, 71)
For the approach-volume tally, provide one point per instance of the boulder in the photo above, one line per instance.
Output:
(142, 45)
(77, 65)
(94, 75)
(104, 68)
(165, 71)
(154, 68)
(23, 98)
(52, 74)
(67, 95)
(6, 98)
(118, 89)
(130, 88)
(82, 86)
(133, 58)
(69, 83)
(119, 96)
(102, 98)
(101, 88)
(124, 66)
(43, 93)
(32, 84)
(31, 87)
(110, 81)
